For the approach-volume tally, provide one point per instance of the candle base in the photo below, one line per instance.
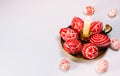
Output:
(85, 38)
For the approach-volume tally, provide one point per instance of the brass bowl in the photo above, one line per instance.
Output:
(80, 57)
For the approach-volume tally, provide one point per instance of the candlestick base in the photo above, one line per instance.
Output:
(85, 38)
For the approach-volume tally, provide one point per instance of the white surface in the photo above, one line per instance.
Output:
(29, 36)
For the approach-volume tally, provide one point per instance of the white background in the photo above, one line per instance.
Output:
(29, 36)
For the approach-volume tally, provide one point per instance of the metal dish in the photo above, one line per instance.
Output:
(79, 56)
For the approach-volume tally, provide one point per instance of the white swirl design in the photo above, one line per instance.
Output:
(100, 40)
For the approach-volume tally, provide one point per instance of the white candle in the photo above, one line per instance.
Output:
(86, 29)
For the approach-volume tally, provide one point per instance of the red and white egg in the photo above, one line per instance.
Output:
(77, 24)
(96, 27)
(64, 65)
(89, 10)
(100, 40)
(72, 46)
(102, 66)
(68, 33)
(90, 51)
(112, 13)
(115, 44)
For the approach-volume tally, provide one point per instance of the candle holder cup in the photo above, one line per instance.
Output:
(85, 38)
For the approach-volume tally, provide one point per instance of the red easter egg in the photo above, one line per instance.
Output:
(64, 65)
(90, 51)
(68, 33)
(100, 40)
(112, 13)
(96, 27)
(89, 10)
(102, 66)
(77, 24)
(115, 44)
(72, 46)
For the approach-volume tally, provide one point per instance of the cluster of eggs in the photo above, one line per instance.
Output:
(89, 10)
(73, 45)
(100, 67)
